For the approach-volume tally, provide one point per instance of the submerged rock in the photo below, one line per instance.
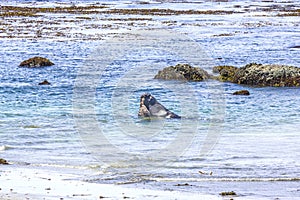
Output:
(182, 72)
(3, 162)
(36, 62)
(268, 75)
(242, 92)
(45, 82)
(226, 72)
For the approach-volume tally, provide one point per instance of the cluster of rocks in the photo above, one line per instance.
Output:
(37, 62)
(252, 74)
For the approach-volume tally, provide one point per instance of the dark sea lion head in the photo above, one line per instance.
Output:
(148, 100)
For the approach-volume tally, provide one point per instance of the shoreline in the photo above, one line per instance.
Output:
(31, 183)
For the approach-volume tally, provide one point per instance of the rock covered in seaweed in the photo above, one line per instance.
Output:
(268, 75)
(36, 62)
(182, 72)
(260, 75)
(226, 72)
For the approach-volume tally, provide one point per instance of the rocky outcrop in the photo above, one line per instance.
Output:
(260, 75)
(3, 162)
(226, 72)
(241, 92)
(182, 72)
(36, 62)
(268, 75)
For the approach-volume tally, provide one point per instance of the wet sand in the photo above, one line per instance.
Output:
(27, 183)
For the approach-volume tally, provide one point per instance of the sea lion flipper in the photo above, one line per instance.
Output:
(172, 115)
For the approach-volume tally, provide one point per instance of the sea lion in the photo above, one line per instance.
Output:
(150, 107)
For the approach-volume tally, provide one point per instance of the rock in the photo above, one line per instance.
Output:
(242, 92)
(232, 193)
(184, 184)
(36, 62)
(268, 75)
(45, 82)
(182, 72)
(260, 75)
(226, 72)
(3, 162)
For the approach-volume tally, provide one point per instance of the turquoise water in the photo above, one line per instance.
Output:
(253, 141)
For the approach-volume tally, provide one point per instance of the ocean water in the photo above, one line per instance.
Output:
(86, 121)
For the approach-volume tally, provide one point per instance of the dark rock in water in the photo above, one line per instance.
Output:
(45, 82)
(184, 184)
(260, 75)
(182, 72)
(232, 193)
(3, 162)
(150, 107)
(268, 75)
(226, 72)
(36, 62)
(242, 92)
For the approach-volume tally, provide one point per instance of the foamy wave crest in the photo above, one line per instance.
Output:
(14, 85)
(4, 147)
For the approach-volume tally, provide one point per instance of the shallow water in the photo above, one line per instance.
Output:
(87, 118)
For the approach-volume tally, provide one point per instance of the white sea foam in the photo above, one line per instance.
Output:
(15, 85)
(4, 147)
